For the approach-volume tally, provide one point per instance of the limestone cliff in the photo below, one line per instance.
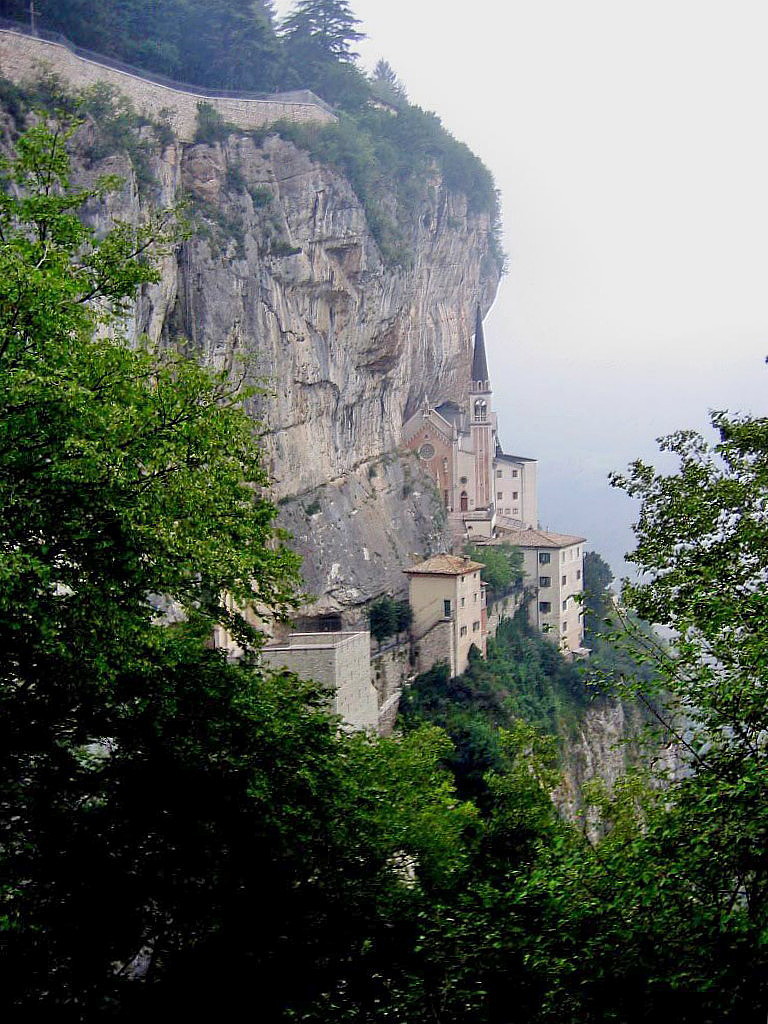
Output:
(282, 275)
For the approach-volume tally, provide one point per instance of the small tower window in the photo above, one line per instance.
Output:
(481, 408)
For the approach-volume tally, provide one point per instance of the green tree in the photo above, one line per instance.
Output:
(403, 616)
(387, 86)
(668, 903)
(323, 29)
(502, 564)
(383, 618)
(702, 536)
(598, 604)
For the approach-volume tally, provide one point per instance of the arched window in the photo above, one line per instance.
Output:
(464, 499)
(481, 407)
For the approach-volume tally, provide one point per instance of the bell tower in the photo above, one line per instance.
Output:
(482, 421)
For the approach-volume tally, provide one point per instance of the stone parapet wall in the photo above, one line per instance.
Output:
(339, 661)
(24, 57)
(391, 671)
(436, 645)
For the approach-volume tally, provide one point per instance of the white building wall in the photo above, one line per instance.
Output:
(515, 490)
(557, 582)
(529, 512)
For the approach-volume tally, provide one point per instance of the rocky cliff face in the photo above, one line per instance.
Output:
(609, 739)
(283, 278)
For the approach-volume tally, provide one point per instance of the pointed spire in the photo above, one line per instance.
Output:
(479, 363)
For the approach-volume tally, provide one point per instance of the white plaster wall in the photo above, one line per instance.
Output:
(529, 510)
(565, 563)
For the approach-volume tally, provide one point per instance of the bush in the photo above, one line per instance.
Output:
(211, 126)
(389, 617)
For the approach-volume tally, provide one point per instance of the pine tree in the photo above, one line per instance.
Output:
(325, 29)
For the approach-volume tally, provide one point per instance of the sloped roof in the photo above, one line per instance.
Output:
(450, 411)
(444, 565)
(531, 538)
(513, 458)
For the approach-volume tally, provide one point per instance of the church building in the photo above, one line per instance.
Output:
(482, 487)
(491, 497)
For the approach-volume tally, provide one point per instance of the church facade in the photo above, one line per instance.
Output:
(482, 487)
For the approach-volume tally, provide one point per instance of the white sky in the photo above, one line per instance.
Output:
(629, 143)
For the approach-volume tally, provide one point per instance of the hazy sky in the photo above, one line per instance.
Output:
(629, 143)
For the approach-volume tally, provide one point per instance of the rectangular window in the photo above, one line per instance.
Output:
(545, 607)
(565, 605)
(498, 474)
(463, 631)
(514, 495)
(475, 626)
(565, 627)
(563, 580)
(499, 495)
(514, 472)
(578, 574)
(462, 602)
(544, 558)
(447, 608)
(545, 581)
(515, 511)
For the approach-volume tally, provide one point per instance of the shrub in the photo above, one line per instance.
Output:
(211, 126)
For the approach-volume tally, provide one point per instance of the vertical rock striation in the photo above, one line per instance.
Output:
(282, 278)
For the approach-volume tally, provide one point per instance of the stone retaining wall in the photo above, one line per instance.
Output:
(23, 58)
(391, 670)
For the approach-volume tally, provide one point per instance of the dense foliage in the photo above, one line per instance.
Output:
(388, 617)
(523, 678)
(502, 565)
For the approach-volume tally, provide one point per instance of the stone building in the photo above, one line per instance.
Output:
(448, 603)
(341, 662)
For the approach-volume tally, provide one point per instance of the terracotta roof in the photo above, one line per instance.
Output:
(444, 565)
(531, 538)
